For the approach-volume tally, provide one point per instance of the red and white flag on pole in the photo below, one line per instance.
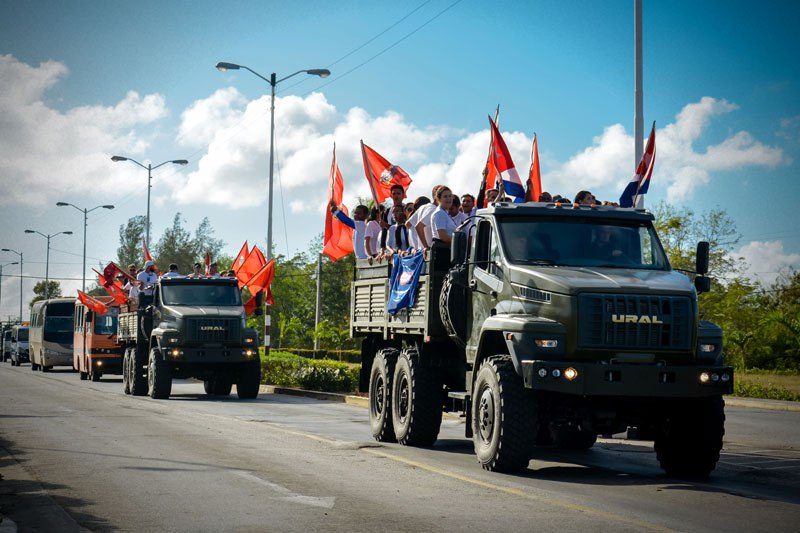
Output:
(381, 174)
(533, 188)
(633, 195)
(338, 240)
(510, 182)
(95, 305)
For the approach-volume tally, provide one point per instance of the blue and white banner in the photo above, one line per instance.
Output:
(403, 284)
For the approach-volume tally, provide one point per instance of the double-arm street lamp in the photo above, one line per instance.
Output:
(85, 223)
(273, 82)
(20, 278)
(150, 168)
(47, 264)
(1, 278)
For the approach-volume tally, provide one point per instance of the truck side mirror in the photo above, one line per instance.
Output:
(259, 303)
(458, 248)
(702, 284)
(702, 258)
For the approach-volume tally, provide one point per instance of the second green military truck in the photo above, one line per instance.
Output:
(547, 324)
(189, 328)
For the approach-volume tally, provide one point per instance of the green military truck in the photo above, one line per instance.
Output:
(547, 324)
(189, 328)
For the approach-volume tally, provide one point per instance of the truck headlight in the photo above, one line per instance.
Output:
(708, 348)
(570, 373)
(546, 343)
(172, 340)
(705, 377)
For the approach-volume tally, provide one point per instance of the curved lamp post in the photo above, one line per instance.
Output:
(273, 82)
(85, 223)
(20, 278)
(150, 168)
(47, 264)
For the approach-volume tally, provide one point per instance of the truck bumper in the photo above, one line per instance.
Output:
(107, 363)
(630, 380)
(229, 354)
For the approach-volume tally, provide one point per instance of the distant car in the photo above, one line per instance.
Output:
(6, 345)
(19, 345)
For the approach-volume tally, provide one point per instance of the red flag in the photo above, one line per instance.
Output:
(239, 261)
(208, 263)
(262, 280)
(381, 174)
(250, 306)
(145, 251)
(252, 264)
(113, 288)
(534, 185)
(112, 270)
(338, 240)
(95, 305)
(489, 181)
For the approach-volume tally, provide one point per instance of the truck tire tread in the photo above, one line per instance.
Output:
(416, 401)
(380, 390)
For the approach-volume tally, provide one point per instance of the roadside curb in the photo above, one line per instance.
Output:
(757, 403)
(732, 401)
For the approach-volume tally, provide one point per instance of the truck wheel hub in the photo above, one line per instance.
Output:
(486, 415)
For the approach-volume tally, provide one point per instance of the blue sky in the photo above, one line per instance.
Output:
(81, 81)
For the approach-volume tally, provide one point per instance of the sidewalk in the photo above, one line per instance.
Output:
(363, 401)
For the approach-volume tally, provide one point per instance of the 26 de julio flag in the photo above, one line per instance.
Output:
(252, 264)
(113, 288)
(338, 240)
(633, 195)
(512, 184)
(381, 174)
(262, 281)
(95, 305)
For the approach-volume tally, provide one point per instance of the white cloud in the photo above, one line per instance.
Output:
(680, 167)
(767, 260)
(47, 154)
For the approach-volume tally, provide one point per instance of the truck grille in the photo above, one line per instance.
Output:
(615, 321)
(212, 329)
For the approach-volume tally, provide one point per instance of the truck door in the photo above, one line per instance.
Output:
(485, 283)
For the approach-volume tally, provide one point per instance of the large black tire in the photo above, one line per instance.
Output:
(94, 374)
(138, 377)
(249, 380)
(453, 303)
(573, 437)
(84, 375)
(689, 440)
(221, 385)
(503, 417)
(126, 379)
(208, 385)
(159, 377)
(416, 401)
(34, 366)
(380, 390)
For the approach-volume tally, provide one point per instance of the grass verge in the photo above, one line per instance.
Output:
(288, 370)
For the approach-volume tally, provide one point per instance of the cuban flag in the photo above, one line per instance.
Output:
(512, 184)
(633, 195)
(403, 284)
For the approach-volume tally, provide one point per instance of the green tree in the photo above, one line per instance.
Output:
(130, 242)
(39, 291)
(204, 241)
(178, 246)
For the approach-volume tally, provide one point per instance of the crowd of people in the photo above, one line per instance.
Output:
(143, 280)
(411, 227)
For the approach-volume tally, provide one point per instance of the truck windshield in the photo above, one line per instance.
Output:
(200, 294)
(22, 335)
(585, 242)
(106, 324)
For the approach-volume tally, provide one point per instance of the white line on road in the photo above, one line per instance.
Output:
(326, 502)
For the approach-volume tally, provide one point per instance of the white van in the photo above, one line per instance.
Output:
(19, 345)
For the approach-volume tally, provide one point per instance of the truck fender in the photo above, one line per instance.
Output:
(515, 335)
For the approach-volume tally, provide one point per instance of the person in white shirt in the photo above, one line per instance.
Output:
(398, 195)
(173, 272)
(413, 237)
(421, 221)
(441, 223)
(372, 237)
(358, 224)
(455, 211)
(147, 278)
(397, 239)
(213, 271)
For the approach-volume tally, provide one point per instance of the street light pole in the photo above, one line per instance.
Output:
(20, 278)
(273, 82)
(150, 168)
(47, 263)
(1, 279)
(85, 223)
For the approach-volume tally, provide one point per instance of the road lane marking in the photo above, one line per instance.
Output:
(641, 524)
(326, 502)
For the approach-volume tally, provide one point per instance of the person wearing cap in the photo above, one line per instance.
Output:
(147, 278)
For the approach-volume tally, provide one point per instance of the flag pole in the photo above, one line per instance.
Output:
(501, 190)
(370, 177)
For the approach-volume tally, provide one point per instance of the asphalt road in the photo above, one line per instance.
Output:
(77, 455)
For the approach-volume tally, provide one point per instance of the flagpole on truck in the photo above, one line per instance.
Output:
(638, 120)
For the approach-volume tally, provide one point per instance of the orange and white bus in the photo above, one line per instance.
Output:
(95, 348)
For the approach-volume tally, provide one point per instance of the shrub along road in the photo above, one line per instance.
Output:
(81, 455)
